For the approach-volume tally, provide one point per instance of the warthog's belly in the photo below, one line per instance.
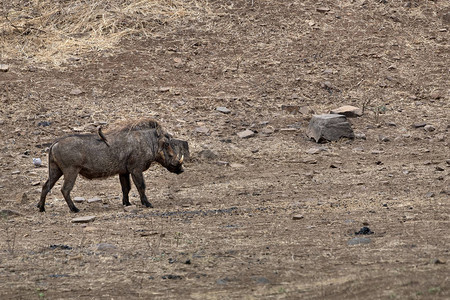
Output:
(93, 174)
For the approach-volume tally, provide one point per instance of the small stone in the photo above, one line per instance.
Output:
(364, 230)
(208, 154)
(4, 68)
(360, 136)
(94, 199)
(297, 217)
(44, 123)
(85, 219)
(37, 162)
(78, 199)
(323, 9)
(316, 150)
(223, 110)
(437, 261)
(419, 125)
(430, 195)
(202, 130)
(76, 92)
(348, 111)
(246, 134)
(105, 247)
(358, 241)
(429, 128)
(438, 168)
(236, 165)
(78, 129)
(383, 138)
(290, 109)
(15, 172)
(267, 130)
(164, 89)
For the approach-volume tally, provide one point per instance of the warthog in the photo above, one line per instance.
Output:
(130, 149)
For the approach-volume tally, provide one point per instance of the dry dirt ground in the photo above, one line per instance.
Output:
(225, 228)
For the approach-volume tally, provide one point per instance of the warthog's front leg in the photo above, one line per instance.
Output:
(69, 181)
(126, 187)
(138, 179)
(54, 173)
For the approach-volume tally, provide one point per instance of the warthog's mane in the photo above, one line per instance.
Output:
(141, 124)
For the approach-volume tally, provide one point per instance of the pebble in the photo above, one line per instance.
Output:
(4, 68)
(297, 217)
(35, 183)
(202, 130)
(85, 219)
(76, 92)
(208, 154)
(429, 128)
(323, 9)
(246, 134)
(361, 136)
(223, 109)
(419, 125)
(94, 199)
(267, 130)
(78, 199)
(106, 247)
(364, 230)
(316, 150)
(37, 162)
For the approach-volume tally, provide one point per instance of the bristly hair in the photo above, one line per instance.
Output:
(146, 123)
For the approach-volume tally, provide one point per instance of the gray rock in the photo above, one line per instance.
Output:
(223, 110)
(104, 247)
(358, 241)
(85, 219)
(429, 128)
(329, 127)
(76, 92)
(78, 199)
(207, 154)
(246, 134)
(348, 111)
(94, 199)
(202, 130)
(297, 217)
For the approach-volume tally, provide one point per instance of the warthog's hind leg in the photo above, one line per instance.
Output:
(138, 179)
(54, 173)
(126, 187)
(69, 181)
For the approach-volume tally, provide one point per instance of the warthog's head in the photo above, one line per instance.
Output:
(172, 153)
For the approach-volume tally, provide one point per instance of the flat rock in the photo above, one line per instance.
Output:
(85, 219)
(348, 111)
(223, 109)
(329, 127)
(105, 247)
(297, 217)
(202, 130)
(246, 134)
(78, 199)
(76, 92)
(94, 199)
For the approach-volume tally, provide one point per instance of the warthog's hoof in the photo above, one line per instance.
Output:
(74, 209)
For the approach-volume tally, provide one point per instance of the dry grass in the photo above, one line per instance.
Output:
(49, 31)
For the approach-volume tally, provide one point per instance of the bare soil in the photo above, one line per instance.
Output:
(225, 227)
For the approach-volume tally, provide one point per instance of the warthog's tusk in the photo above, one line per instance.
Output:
(181, 159)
